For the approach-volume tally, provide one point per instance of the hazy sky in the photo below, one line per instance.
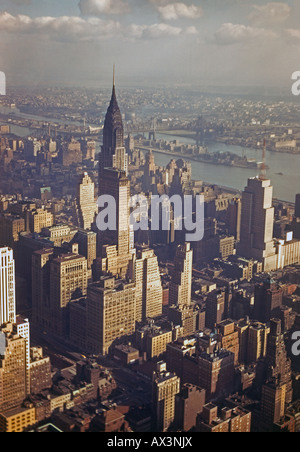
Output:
(222, 42)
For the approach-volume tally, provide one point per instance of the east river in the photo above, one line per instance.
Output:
(284, 168)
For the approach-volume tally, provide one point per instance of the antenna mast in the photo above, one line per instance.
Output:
(263, 170)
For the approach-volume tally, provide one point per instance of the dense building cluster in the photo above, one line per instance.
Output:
(123, 330)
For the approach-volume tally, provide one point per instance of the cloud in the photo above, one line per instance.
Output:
(99, 7)
(74, 28)
(159, 2)
(191, 30)
(174, 11)
(237, 33)
(293, 35)
(270, 14)
(22, 2)
(154, 31)
(59, 28)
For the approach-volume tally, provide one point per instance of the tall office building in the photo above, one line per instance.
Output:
(278, 365)
(115, 243)
(12, 367)
(229, 338)
(273, 404)
(113, 153)
(69, 277)
(70, 152)
(88, 148)
(277, 391)
(253, 337)
(87, 245)
(56, 281)
(297, 206)
(165, 386)
(10, 228)
(186, 316)
(149, 171)
(7, 286)
(234, 218)
(181, 285)
(257, 221)
(215, 308)
(110, 313)
(41, 260)
(189, 402)
(87, 206)
(216, 373)
(40, 371)
(115, 246)
(268, 300)
(147, 278)
(181, 310)
(22, 329)
(176, 351)
(39, 219)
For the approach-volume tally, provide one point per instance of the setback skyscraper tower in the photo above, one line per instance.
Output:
(113, 153)
(86, 204)
(7, 286)
(257, 220)
(115, 246)
(257, 223)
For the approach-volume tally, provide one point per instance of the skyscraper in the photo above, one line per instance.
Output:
(87, 207)
(268, 300)
(181, 284)
(41, 260)
(115, 244)
(277, 363)
(56, 281)
(148, 284)
(110, 313)
(253, 338)
(7, 286)
(12, 367)
(165, 386)
(189, 402)
(277, 392)
(297, 206)
(215, 373)
(215, 308)
(22, 329)
(69, 277)
(234, 218)
(87, 245)
(113, 153)
(257, 223)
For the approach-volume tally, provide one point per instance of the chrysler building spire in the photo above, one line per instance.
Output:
(113, 154)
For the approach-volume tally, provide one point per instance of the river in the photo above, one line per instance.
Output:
(285, 186)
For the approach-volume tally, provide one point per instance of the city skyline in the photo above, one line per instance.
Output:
(121, 308)
(228, 43)
(114, 320)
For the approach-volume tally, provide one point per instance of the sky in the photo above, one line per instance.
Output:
(189, 42)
